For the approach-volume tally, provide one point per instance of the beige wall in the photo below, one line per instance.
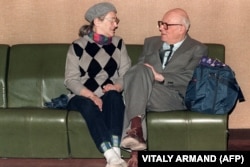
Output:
(212, 21)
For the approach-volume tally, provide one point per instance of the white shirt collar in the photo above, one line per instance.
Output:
(176, 45)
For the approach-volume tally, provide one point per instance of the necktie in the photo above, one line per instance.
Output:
(164, 58)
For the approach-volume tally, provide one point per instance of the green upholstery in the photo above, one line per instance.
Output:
(33, 133)
(216, 51)
(36, 74)
(186, 130)
(32, 74)
(134, 52)
(3, 69)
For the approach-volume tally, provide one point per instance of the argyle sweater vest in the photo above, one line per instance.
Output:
(98, 64)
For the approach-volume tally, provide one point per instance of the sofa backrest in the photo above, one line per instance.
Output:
(36, 72)
(214, 51)
(3, 69)
(134, 51)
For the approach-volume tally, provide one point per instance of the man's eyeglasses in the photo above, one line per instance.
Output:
(165, 25)
(113, 20)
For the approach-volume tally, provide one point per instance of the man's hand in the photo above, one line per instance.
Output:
(158, 77)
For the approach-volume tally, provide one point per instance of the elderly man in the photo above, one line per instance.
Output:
(158, 82)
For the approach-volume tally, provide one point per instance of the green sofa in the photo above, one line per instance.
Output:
(32, 74)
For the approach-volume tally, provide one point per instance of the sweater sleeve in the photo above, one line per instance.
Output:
(72, 72)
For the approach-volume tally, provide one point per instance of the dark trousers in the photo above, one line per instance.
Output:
(101, 124)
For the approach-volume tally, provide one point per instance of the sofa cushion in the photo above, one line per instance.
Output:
(33, 133)
(186, 130)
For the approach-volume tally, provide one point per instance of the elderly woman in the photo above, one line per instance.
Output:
(95, 66)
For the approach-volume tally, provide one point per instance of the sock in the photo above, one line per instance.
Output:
(136, 122)
(105, 146)
(115, 141)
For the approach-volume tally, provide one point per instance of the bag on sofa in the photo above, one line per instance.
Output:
(213, 88)
(58, 102)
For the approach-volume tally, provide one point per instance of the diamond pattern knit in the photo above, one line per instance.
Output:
(98, 64)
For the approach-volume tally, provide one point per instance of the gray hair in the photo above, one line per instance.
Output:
(86, 29)
(186, 22)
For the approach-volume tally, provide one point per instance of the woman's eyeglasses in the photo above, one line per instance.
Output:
(113, 20)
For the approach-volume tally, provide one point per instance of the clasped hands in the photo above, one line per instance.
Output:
(108, 87)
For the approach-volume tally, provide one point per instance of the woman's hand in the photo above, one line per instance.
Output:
(89, 94)
(109, 87)
(97, 100)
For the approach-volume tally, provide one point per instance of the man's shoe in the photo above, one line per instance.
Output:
(134, 140)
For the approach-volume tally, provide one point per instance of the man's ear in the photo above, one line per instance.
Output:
(188, 28)
(183, 29)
